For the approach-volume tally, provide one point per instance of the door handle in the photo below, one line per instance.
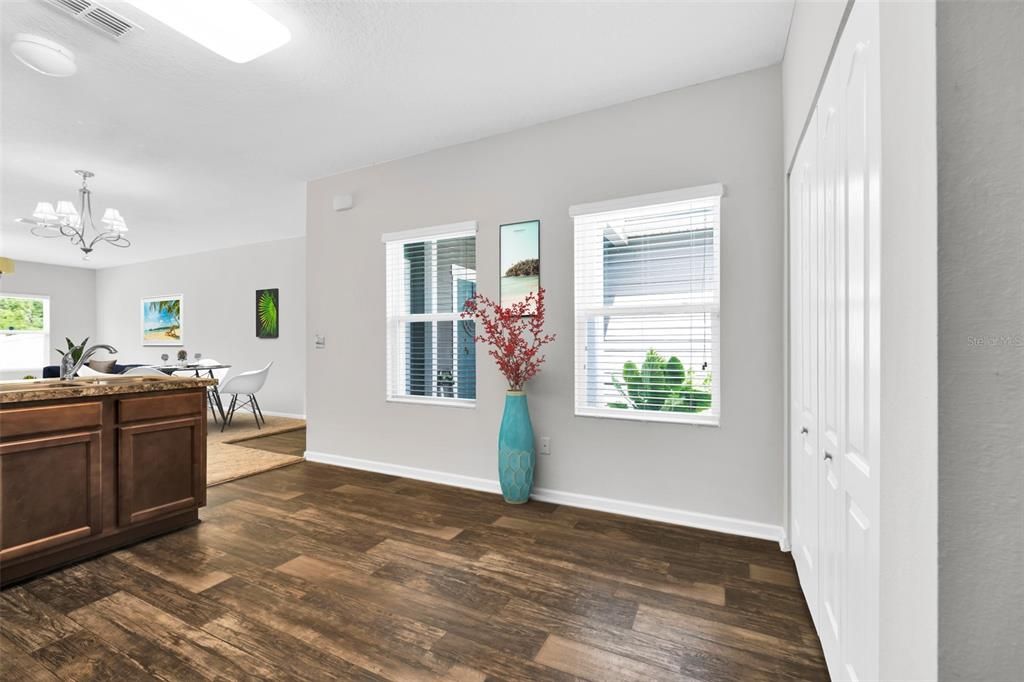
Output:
(828, 456)
(804, 431)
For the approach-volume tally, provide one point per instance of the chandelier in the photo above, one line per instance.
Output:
(77, 224)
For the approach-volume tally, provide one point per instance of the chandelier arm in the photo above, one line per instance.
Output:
(44, 226)
(72, 233)
(98, 238)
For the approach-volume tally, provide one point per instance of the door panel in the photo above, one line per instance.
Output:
(804, 474)
(159, 469)
(831, 351)
(858, 68)
(51, 492)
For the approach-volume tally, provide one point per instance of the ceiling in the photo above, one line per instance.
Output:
(199, 153)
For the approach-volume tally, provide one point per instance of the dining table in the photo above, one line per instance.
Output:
(199, 371)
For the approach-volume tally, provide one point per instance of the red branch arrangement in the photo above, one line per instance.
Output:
(505, 330)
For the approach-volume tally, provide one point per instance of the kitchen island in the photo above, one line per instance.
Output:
(94, 464)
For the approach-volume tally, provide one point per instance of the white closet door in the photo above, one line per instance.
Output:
(832, 346)
(857, 65)
(804, 209)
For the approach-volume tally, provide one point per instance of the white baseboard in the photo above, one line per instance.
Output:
(457, 480)
(679, 517)
(284, 414)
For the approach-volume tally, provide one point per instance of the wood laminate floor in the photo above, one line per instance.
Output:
(316, 572)
(287, 443)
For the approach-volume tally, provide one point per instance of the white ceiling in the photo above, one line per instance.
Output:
(199, 153)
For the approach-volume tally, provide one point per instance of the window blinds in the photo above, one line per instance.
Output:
(647, 307)
(431, 351)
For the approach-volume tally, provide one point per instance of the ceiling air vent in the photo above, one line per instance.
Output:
(97, 16)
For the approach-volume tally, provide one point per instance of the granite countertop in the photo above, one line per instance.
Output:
(86, 387)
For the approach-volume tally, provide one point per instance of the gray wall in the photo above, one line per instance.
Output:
(219, 289)
(981, 340)
(72, 293)
(725, 131)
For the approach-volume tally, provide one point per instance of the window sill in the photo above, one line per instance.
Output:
(436, 402)
(645, 416)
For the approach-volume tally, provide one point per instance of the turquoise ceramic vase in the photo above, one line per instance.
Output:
(516, 454)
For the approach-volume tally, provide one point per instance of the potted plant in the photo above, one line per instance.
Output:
(515, 334)
(182, 357)
(74, 348)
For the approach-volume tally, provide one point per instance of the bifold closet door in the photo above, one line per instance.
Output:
(804, 312)
(834, 318)
(858, 76)
(831, 354)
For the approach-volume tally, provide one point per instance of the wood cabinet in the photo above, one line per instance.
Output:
(160, 469)
(52, 492)
(79, 477)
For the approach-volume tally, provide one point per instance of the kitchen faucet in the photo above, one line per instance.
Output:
(69, 367)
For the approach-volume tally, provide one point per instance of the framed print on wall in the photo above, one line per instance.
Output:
(519, 258)
(267, 313)
(163, 321)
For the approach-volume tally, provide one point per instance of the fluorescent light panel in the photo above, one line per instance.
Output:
(237, 30)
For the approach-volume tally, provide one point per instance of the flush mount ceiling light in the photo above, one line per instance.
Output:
(77, 224)
(43, 55)
(237, 30)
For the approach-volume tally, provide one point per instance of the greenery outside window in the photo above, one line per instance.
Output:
(24, 332)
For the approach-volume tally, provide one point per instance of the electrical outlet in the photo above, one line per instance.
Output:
(545, 445)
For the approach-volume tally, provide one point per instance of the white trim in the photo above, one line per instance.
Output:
(284, 414)
(653, 199)
(692, 418)
(678, 517)
(444, 478)
(463, 403)
(433, 232)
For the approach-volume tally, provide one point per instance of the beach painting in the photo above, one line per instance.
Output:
(162, 321)
(520, 261)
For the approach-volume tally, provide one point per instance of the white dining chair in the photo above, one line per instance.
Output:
(143, 372)
(245, 384)
(86, 371)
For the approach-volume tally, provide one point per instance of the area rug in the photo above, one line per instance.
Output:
(227, 459)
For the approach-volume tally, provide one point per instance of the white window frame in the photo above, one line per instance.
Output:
(582, 315)
(45, 331)
(396, 355)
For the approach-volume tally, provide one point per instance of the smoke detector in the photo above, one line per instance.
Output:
(44, 55)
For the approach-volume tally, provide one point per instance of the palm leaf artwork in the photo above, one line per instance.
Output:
(266, 313)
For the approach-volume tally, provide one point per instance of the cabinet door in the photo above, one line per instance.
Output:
(50, 492)
(160, 469)
(804, 211)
